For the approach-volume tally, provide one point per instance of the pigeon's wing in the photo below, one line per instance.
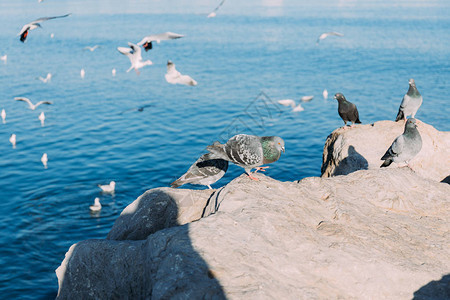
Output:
(23, 99)
(287, 102)
(353, 113)
(244, 150)
(405, 102)
(160, 37)
(395, 149)
(49, 18)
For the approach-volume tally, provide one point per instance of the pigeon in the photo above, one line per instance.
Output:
(213, 13)
(42, 118)
(249, 151)
(108, 188)
(82, 73)
(405, 147)
(135, 56)
(174, 77)
(325, 94)
(205, 171)
(12, 140)
(31, 105)
(347, 110)
(33, 25)
(97, 205)
(3, 116)
(306, 98)
(4, 58)
(44, 160)
(146, 42)
(91, 48)
(291, 103)
(410, 103)
(46, 79)
(327, 34)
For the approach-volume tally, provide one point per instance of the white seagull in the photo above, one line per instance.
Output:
(46, 79)
(97, 205)
(327, 34)
(82, 73)
(12, 140)
(213, 13)
(31, 105)
(35, 24)
(108, 188)
(325, 94)
(146, 42)
(91, 48)
(306, 98)
(42, 118)
(4, 58)
(135, 56)
(44, 160)
(52, 35)
(291, 103)
(113, 72)
(3, 116)
(174, 77)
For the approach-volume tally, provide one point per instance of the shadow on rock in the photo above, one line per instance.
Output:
(434, 290)
(148, 254)
(352, 163)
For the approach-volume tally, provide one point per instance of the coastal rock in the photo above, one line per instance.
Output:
(362, 147)
(371, 234)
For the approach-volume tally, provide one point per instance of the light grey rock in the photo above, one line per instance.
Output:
(373, 234)
(361, 148)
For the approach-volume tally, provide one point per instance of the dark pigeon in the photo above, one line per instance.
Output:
(347, 110)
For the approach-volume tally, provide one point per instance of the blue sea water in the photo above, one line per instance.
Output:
(248, 57)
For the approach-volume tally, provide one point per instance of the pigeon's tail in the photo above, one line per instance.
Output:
(386, 163)
(217, 149)
(177, 183)
(400, 115)
(357, 121)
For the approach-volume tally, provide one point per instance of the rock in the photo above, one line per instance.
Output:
(371, 234)
(362, 147)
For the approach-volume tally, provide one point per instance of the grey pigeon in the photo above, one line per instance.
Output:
(205, 171)
(405, 146)
(347, 110)
(249, 151)
(410, 103)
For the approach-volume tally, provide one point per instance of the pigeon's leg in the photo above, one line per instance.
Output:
(250, 175)
(262, 169)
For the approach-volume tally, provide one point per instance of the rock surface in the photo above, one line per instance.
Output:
(373, 234)
(362, 147)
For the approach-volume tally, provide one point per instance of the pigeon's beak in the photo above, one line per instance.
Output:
(282, 149)
(334, 97)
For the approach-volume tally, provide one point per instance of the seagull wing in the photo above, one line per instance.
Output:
(43, 102)
(218, 6)
(136, 51)
(125, 51)
(24, 99)
(287, 102)
(49, 18)
(335, 33)
(160, 37)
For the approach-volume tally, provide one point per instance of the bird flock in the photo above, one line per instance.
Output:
(247, 151)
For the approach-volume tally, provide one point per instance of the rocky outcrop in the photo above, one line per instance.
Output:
(372, 234)
(361, 148)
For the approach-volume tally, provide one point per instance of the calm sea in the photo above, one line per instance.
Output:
(244, 60)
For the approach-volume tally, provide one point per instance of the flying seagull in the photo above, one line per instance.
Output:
(306, 98)
(31, 105)
(410, 103)
(135, 56)
(146, 42)
(205, 171)
(347, 110)
(291, 103)
(405, 147)
(35, 24)
(46, 79)
(213, 13)
(174, 77)
(249, 151)
(327, 34)
(91, 48)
